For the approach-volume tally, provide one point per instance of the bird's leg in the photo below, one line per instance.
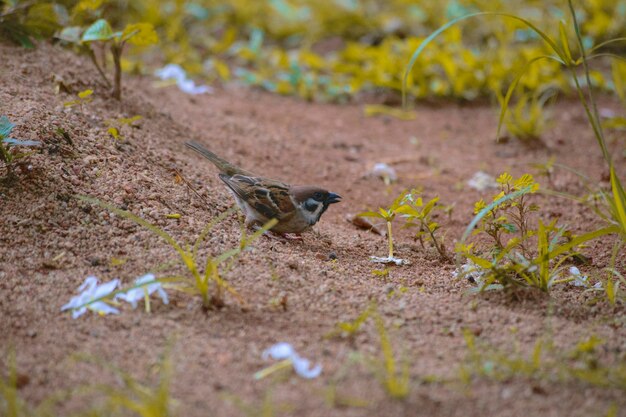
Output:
(256, 226)
(293, 236)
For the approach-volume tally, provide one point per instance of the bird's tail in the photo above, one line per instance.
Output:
(223, 165)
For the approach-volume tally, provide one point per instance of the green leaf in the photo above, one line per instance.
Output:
(70, 34)
(619, 200)
(5, 126)
(509, 93)
(370, 214)
(100, 30)
(453, 22)
(564, 43)
(18, 142)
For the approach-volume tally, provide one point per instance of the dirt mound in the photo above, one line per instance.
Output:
(295, 292)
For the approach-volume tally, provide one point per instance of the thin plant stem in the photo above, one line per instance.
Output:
(92, 56)
(389, 235)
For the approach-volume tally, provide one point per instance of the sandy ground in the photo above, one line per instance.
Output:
(49, 243)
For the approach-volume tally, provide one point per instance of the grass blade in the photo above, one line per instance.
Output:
(453, 22)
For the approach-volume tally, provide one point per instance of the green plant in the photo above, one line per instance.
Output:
(131, 394)
(419, 214)
(387, 215)
(7, 155)
(531, 257)
(562, 54)
(83, 97)
(349, 329)
(582, 363)
(509, 217)
(395, 381)
(268, 406)
(527, 120)
(100, 32)
(22, 21)
(11, 402)
(207, 282)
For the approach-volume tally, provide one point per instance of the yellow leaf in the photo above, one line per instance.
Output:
(86, 5)
(140, 34)
(129, 121)
(222, 69)
(114, 132)
(378, 109)
(84, 94)
(504, 178)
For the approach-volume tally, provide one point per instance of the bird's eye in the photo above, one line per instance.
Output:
(317, 196)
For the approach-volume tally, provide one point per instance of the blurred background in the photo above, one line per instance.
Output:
(344, 50)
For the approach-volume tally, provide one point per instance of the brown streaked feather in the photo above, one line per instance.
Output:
(270, 198)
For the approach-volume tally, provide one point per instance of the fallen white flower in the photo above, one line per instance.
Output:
(385, 172)
(581, 280)
(471, 271)
(389, 260)
(285, 353)
(481, 181)
(92, 291)
(174, 71)
(148, 284)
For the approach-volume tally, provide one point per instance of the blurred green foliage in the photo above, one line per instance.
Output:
(331, 50)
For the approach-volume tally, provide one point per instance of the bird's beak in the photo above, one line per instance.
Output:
(333, 198)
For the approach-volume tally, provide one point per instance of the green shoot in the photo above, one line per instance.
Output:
(394, 380)
(100, 32)
(387, 215)
(133, 395)
(517, 262)
(267, 407)
(546, 362)
(11, 402)
(84, 97)
(116, 126)
(351, 328)
(7, 155)
(527, 120)
(208, 283)
(419, 214)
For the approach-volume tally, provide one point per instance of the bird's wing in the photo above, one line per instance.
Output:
(269, 197)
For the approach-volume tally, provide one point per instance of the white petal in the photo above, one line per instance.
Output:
(145, 279)
(78, 312)
(301, 366)
(389, 260)
(163, 295)
(189, 87)
(171, 71)
(103, 308)
(383, 171)
(106, 289)
(481, 181)
(279, 351)
(574, 271)
(90, 282)
(131, 296)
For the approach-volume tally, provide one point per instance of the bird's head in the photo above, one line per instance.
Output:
(313, 201)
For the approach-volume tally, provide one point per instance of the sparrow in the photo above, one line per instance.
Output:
(296, 207)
